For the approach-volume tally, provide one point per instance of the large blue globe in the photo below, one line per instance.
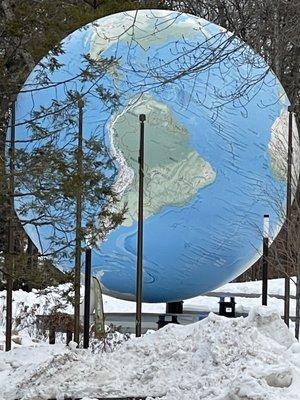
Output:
(216, 123)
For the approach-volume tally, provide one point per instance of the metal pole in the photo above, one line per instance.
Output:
(288, 218)
(10, 259)
(297, 323)
(78, 227)
(87, 297)
(265, 262)
(139, 267)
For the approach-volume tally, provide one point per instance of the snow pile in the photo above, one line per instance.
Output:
(253, 358)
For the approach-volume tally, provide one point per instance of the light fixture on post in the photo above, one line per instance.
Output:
(87, 293)
(265, 262)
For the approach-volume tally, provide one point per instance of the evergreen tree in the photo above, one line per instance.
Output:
(48, 181)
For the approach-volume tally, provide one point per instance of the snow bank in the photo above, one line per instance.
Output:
(253, 358)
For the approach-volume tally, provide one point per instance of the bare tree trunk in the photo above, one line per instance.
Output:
(9, 257)
(276, 45)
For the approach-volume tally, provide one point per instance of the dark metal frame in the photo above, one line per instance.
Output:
(139, 266)
(288, 217)
(87, 297)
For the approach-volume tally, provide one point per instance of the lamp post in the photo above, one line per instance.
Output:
(288, 217)
(265, 262)
(139, 267)
(297, 323)
(87, 295)
(78, 233)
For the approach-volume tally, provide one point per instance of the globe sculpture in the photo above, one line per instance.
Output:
(215, 148)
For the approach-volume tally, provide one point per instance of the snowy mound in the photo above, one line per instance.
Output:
(253, 358)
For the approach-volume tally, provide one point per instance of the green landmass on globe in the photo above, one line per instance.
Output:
(174, 171)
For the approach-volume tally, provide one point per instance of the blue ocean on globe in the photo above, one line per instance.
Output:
(215, 126)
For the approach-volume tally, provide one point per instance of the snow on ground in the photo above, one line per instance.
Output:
(244, 304)
(205, 303)
(27, 305)
(253, 358)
